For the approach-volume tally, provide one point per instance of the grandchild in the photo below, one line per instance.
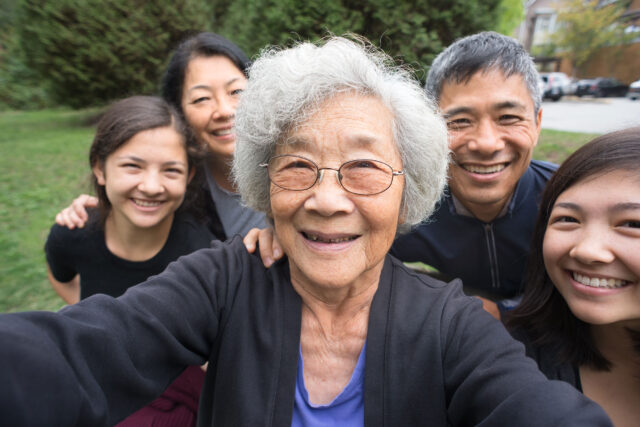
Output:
(142, 159)
(580, 314)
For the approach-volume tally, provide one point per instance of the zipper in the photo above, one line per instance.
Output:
(493, 257)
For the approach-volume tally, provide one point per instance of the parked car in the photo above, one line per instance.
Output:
(634, 90)
(601, 87)
(556, 85)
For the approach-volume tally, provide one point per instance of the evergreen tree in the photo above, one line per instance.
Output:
(88, 52)
(412, 31)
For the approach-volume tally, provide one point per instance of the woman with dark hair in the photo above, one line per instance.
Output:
(143, 159)
(203, 81)
(580, 314)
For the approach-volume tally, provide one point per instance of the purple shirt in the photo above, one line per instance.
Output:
(347, 409)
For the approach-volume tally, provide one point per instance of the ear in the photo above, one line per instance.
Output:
(192, 173)
(538, 124)
(98, 172)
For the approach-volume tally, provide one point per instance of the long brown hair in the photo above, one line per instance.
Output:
(543, 314)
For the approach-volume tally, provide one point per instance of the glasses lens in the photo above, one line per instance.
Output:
(366, 176)
(292, 172)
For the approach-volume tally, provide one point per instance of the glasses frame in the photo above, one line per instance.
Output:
(320, 173)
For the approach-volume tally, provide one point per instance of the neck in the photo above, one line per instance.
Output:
(132, 243)
(330, 304)
(220, 170)
(616, 345)
(485, 212)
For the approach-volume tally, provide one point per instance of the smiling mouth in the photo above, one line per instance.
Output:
(146, 203)
(222, 132)
(598, 282)
(484, 170)
(322, 239)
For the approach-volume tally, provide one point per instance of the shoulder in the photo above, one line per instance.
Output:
(62, 236)
(543, 168)
(187, 230)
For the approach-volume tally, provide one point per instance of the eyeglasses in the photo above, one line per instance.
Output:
(365, 177)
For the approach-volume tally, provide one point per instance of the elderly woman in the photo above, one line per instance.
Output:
(339, 149)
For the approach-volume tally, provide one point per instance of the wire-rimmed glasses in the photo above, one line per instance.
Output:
(365, 177)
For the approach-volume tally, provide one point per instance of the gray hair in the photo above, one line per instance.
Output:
(286, 86)
(482, 52)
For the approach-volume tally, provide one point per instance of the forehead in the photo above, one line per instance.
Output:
(216, 68)
(345, 122)
(486, 88)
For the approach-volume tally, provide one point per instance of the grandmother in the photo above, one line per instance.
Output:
(339, 149)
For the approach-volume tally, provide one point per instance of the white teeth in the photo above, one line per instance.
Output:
(596, 282)
(315, 238)
(146, 204)
(223, 132)
(484, 169)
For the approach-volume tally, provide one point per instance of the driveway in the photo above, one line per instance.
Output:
(590, 115)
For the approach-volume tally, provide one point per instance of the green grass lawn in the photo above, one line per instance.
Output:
(43, 164)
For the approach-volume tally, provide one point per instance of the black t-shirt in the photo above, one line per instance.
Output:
(84, 251)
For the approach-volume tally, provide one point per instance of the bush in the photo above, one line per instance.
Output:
(88, 52)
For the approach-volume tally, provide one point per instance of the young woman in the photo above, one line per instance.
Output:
(580, 314)
(203, 81)
(142, 159)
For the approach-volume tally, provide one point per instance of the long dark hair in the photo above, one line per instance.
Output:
(543, 314)
(202, 44)
(128, 117)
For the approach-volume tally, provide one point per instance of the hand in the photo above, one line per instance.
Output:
(490, 307)
(76, 215)
(270, 249)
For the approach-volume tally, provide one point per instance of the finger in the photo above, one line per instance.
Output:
(251, 239)
(265, 240)
(276, 247)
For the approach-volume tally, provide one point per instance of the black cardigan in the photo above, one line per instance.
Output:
(433, 357)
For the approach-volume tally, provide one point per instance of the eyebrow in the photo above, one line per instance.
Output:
(207, 87)
(618, 207)
(141, 160)
(506, 105)
(304, 142)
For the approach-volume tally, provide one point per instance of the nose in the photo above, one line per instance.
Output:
(592, 247)
(486, 138)
(151, 184)
(224, 109)
(328, 197)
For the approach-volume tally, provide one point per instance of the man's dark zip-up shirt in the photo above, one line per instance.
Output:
(490, 258)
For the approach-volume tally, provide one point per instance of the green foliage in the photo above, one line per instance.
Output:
(413, 32)
(585, 28)
(510, 15)
(92, 51)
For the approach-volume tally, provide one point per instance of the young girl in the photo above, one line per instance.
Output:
(580, 314)
(203, 81)
(142, 160)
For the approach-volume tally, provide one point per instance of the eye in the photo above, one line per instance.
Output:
(631, 224)
(200, 100)
(132, 166)
(457, 124)
(509, 119)
(565, 218)
(174, 171)
(236, 92)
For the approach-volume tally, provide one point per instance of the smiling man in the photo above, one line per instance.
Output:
(486, 87)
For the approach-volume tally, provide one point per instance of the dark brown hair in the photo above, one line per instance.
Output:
(543, 314)
(128, 117)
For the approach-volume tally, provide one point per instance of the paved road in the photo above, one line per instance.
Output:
(590, 115)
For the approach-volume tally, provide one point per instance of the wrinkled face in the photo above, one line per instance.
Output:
(492, 130)
(592, 248)
(146, 178)
(212, 87)
(333, 238)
